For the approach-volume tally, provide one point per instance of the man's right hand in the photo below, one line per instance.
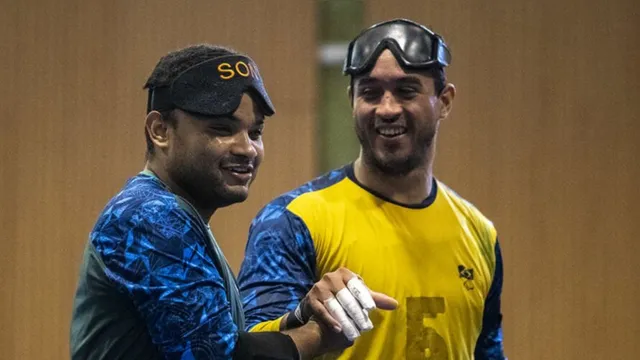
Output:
(341, 301)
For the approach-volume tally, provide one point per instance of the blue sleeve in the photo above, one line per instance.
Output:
(156, 253)
(279, 265)
(489, 345)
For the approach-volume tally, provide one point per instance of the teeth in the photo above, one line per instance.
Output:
(391, 131)
(241, 170)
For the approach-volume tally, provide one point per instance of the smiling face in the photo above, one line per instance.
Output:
(397, 115)
(215, 159)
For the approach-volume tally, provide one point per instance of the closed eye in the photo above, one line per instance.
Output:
(221, 130)
(255, 134)
(369, 93)
(408, 92)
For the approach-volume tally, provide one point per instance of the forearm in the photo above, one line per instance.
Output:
(290, 321)
(265, 345)
(302, 343)
(308, 339)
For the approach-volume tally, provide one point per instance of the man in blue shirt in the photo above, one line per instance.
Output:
(153, 282)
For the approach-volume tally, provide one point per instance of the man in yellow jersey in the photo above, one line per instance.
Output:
(386, 218)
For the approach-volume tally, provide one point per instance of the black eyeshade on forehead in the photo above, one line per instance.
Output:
(214, 87)
(414, 45)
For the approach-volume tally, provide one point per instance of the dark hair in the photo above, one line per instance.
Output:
(439, 78)
(436, 73)
(173, 64)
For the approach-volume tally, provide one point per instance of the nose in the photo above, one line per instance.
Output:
(389, 107)
(244, 146)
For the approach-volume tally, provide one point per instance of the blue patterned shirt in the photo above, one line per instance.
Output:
(149, 285)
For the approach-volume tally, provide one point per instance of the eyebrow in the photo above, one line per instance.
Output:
(408, 79)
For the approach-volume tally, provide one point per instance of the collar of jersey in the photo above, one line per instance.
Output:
(421, 205)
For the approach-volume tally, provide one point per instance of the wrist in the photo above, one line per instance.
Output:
(308, 339)
(292, 319)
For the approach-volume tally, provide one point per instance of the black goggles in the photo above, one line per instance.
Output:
(213, 88)
(413, 45)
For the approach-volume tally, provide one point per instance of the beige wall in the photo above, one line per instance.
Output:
(544, 138)
(72, 113)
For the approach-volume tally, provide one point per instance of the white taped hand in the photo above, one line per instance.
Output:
(361, 292)
(349, 329)
(354, 310)
(351, 308)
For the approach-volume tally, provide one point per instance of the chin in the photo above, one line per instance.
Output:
(234, 195)
(393, 164)
(393, 159)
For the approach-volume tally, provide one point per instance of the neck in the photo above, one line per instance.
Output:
(162, 174)
(410, 189)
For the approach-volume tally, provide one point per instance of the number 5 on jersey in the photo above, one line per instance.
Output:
(423, 342)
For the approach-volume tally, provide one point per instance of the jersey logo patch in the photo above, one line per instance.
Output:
(467, 275)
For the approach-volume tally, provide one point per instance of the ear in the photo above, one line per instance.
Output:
(446, 100)
(157, 129)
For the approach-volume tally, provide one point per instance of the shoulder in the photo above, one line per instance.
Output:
(304, 194)
(466, 208)
(471, 217)
(141, 199)
(143, 207)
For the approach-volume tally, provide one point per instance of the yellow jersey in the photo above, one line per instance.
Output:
(440, 259)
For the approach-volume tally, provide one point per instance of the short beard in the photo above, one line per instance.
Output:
(206, 190)
(397, 167)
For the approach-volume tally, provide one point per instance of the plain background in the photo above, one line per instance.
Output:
(543, 138)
